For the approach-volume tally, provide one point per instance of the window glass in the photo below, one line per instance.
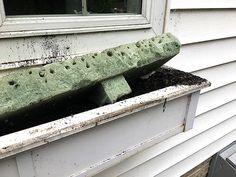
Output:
(79, 7)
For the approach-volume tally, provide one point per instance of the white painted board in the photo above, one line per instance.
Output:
(190, 27)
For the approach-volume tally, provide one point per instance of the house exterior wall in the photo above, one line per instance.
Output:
(207, 31)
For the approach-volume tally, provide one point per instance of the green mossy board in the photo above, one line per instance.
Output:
(23, 89)
(110, 90)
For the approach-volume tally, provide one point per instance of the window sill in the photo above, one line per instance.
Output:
(37, 26)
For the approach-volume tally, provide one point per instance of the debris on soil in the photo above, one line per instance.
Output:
(161, 78)
(77, 102)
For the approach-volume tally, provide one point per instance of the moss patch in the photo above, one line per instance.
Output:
(30, 87)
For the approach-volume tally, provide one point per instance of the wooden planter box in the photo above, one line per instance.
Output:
(89, 142)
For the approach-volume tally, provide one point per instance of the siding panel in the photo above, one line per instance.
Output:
(202, 4)
(218, 75)
(198, 56)
(202, 25)
(159, 164)
(215, 98)
(201, 155)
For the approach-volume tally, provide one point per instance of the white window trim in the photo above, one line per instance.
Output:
(18, 50)
(48, 25)
(2, 13)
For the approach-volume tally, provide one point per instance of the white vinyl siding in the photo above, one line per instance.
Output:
(203, 55)
(220, 23)
(215, 98)
(218, 75)
(207, 31)
(202, 4)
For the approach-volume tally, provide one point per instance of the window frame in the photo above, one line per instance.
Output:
(31, 48)
(48, 25)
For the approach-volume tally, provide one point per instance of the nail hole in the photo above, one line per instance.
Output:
(127, 47)
(82, 59)
(150, 45)
(109, 53)
(11, 82)
(138, 45)
(41, 74)
(160, 41)
(30, 72)
(51, 71)
(73, 63)
(122, 53)
(17, 85)
(93, 56)
(87, 65)
(67, 67)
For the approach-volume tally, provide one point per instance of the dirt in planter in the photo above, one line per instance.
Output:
(77, 102)
(163, 77)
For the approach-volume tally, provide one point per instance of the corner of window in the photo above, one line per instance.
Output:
(151, 16)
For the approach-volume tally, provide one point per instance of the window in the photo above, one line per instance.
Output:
(40, 17)
(76, 7)
(39, 34)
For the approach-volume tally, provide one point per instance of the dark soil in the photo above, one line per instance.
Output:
(163, 77)
(78, 102)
